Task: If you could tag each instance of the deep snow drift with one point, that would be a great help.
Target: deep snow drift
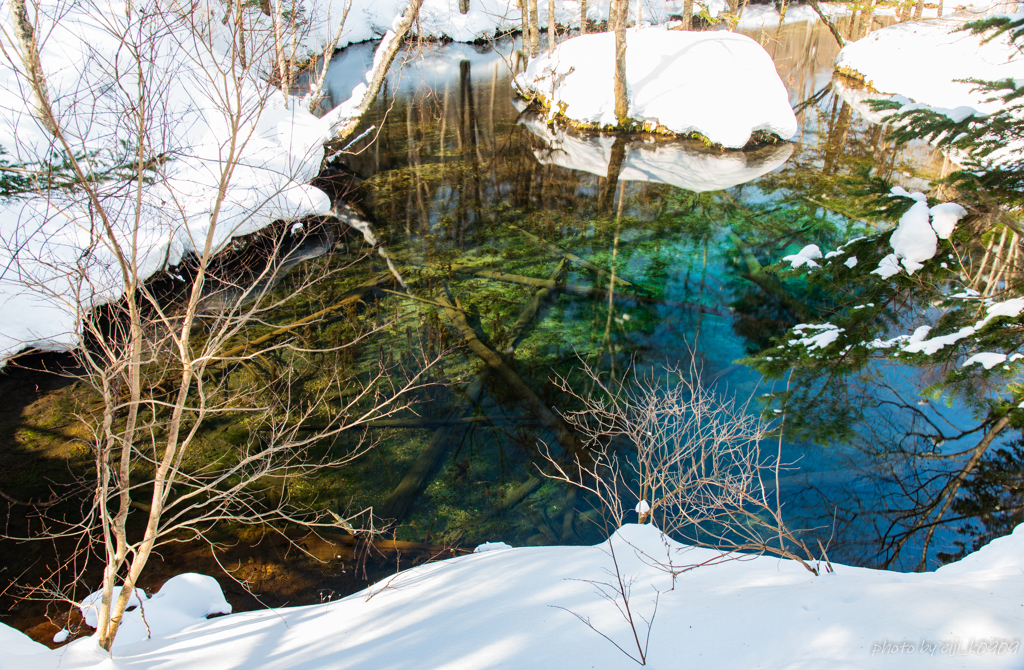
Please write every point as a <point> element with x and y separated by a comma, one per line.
<point>719,84</point>
<point>515,608</point>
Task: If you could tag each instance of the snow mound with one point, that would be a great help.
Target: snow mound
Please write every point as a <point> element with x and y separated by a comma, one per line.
<point>675,162</point>
<point>924,60</point>
<point>181,602</point>
<point>55,263</point>
<point>721,85</point>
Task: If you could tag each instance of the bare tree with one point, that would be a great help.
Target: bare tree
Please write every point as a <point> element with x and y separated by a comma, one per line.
<point>695,467</point>
<point>163,368</point>
<point>344,121</point>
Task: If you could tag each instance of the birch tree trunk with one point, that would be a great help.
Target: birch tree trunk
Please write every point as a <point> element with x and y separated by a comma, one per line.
<point>534,29</point>
<point>551,26</point>
<point>583,17</point>
<point>342,128</point>
<point>29,52</point>
<point>620,9</point>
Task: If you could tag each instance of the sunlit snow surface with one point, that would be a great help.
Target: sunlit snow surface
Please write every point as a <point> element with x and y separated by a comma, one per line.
<point>927,61</point>
<point>719,84</point>
<point>514,608</point>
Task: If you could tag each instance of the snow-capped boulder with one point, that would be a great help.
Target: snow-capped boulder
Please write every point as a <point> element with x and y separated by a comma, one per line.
<point>721,85</point>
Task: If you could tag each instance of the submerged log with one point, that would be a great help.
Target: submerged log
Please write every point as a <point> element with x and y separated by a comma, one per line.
<point>423,468</point>
<point>582,262</point>
<point>527,397</point>
<point>355,295</point>
<point>518,494</point>
<point>594,291</point>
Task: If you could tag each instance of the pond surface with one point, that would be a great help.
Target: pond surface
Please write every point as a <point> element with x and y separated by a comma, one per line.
<point>457,181</point>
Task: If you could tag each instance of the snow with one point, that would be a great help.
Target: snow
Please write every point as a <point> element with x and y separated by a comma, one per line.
<point>829,334</point>
<point>491,546</point>
<point>182,601</point>
<point>924,61</point>
<point>987,359</point>
<point>945,217</point>
<point>674,162</point>
<point>719,84</point>
<point>53,239</point>
<point>805,256</point>
<point>90,606</point>
<point>916,237</point>
<point>1009,308</point>
<point>515,608</point>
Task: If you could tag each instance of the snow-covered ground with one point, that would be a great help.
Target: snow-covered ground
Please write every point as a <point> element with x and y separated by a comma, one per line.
<point>665,162</point>
<point>719,84</point>
<point>526,607</point>
<point>54,256</point>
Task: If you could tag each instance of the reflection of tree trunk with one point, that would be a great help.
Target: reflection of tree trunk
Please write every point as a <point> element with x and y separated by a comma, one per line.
<point>343,128</point>
<point>583,17</point>
<point>618,156</point>
<point>868,19</point>
<point>471,133</point>
<point>534,29</point>
<point>551,26</point>
<point>688,15</point>
<point>828,22</point>
<point>837,139</point>
<point>620,9</point>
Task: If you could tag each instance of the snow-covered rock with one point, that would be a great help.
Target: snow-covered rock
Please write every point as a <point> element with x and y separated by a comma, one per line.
<point>924,60</point>
<point>719,84</point>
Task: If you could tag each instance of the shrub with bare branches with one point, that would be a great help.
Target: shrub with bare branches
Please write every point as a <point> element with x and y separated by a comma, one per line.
<point>684,457</point>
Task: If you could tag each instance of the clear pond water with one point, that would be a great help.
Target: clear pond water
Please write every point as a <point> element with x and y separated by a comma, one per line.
<point>456,181</point>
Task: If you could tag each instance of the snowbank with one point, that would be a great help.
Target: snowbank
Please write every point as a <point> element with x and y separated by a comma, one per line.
<point>55,261</point>
<point>674,162</point>
<point>721,85</point>
<point>516,607</point>
<point>923,61</point>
